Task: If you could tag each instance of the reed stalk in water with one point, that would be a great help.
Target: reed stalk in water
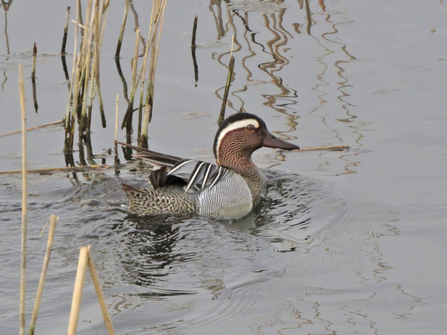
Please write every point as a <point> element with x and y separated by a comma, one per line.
<point>148,108</point>
<point>123,26</point>
<point>193,50</point>
<point>24,203</point>
<point>78,289</point>
<point>100,295</point>
<point>227,85</point>
<point>46,261</point>
<point>33,78</point>
<point>64,38</point>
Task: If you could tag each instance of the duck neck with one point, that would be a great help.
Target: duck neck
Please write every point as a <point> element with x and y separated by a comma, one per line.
<point>242,164</point>
<point>233,159</point>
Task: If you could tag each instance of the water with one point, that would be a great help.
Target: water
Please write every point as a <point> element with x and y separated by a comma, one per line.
<point>348,242</point>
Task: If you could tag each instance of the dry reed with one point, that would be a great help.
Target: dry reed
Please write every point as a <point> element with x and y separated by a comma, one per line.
<point>24,203</point>
<point>53,221</point>
<point>227,84</point>
<point>78,289</point>
<point>102,302</point>
<point>193,50</point>
<point>64,38</point>
<point>61,169</point>
<point>33,78</point>
<point>123,26</point>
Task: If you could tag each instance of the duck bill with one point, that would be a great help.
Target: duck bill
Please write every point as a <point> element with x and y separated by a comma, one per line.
<point>273,142</point>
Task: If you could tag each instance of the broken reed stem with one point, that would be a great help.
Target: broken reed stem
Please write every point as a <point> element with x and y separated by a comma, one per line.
<point>46,261</point>
<point>116,135</point>
<point>193,50</point>
<point>123,26</point>
<point>32,128</point>
<point>194,30</point>
<point>33,73</point>
<point>78,288</point>
<point>227,85</point>
<point>334,148</point>
<point>64,38</point>
<point>24,202</point>
<point>308,17</point>
<point>102,302</point>
<point>61,169</point>
<point>33,78</point>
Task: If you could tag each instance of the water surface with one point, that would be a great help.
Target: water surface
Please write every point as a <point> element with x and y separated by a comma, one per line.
<point>348,242</point>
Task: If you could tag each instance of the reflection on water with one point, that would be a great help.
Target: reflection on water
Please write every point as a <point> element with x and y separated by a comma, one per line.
<point>278,43</point>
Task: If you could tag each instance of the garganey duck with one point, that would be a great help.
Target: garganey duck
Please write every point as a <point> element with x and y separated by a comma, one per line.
<point>228,189</point>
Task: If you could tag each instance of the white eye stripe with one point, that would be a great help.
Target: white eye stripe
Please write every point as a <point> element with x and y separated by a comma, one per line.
<point>233,126</point>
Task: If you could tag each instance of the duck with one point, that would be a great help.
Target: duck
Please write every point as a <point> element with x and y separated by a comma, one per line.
<point>227,189</point>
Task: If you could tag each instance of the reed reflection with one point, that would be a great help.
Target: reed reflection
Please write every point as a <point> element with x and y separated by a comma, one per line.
<point>6,6</point>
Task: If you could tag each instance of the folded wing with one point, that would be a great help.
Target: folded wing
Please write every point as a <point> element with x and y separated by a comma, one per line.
<point>195,175</point>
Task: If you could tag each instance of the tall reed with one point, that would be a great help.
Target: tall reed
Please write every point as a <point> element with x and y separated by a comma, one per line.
<point>24,203</point>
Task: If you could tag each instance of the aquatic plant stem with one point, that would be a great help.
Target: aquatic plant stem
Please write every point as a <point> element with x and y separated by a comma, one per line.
<point>151,79</point>
<point>334,148</point>
<point>69,118</point>
<point>33,128</point>
<point>33,78</point>
<point>46,261</point>
<point>227,85</point>
<point>24,203</point>
<point>308,17</point>
<point>64,38</point>
<point>61,169</point>
<point>99,293</point>
<point>78,288</point>
<point>116,135</point>
<point>193,50</point>
<point>123,26</point>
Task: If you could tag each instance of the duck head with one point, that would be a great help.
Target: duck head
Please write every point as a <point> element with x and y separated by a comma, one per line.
<point>239,136</point>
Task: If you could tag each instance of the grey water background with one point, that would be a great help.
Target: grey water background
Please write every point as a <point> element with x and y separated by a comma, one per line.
<point>346,242</point>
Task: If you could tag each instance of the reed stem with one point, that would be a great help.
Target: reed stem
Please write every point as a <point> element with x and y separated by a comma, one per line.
<point>64,38</point>
<point>102,302</point>
<point>24,203</point>
<point>193,50</point>
<point>33,128</point>
<point>61,169</point>
<point>123,26</point>
<point>33,78</point>
<point>46,261</point>
<point>227,85</point>
<point>308,17</point>
<point>116,135</point>
<point>78,288</point>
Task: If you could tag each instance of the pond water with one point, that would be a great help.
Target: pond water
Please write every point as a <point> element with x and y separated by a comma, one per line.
<point>346,242</point>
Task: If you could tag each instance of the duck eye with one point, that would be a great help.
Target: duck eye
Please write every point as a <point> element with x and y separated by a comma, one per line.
<point>250,127</point>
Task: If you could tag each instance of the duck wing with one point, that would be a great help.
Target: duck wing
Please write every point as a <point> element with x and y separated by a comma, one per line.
<point>154,158</point>
<point>195,175</point>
